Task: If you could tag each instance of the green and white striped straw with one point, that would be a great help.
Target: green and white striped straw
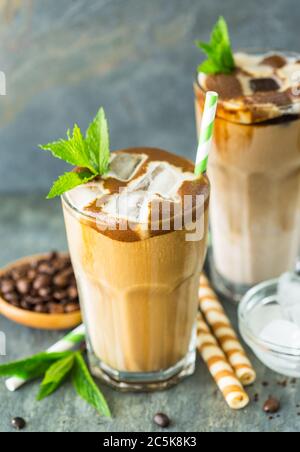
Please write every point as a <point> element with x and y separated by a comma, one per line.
<point>206,132</point>
<point>69,342</point>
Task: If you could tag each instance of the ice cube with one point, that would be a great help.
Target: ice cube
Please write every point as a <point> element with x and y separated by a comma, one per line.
<point>82,196</point>
<point>131,206</point>
<point>123,166</point>
<point>161,179</point>
<point>282,333</point>
<point>289,297</point>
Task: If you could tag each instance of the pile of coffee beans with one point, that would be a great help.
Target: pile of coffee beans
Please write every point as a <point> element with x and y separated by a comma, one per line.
<point>46,286</point>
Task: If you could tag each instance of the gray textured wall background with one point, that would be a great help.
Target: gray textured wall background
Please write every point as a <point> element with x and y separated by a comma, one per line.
<point>65,58</point>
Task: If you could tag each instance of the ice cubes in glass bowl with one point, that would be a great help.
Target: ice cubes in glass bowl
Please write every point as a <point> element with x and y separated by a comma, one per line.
<point>289,297</point>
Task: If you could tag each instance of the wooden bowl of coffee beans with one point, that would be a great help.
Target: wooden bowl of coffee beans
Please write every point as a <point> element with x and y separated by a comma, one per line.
<point>40,292</point>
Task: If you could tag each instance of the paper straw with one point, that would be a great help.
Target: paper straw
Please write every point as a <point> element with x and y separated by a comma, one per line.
<point>219,367</point>
<point>224,332</point>
<point>69,342</point>
<point>206,132</point>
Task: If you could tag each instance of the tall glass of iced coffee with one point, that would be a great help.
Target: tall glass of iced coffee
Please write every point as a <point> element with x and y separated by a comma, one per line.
<point>137,255</point>
<point>254,169</point>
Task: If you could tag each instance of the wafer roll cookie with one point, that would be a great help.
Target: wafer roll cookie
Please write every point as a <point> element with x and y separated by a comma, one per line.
<point>223,331</point>
<point>219,367</point>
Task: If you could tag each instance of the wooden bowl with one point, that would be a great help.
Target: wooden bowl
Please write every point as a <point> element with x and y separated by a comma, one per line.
<point>34,319</point>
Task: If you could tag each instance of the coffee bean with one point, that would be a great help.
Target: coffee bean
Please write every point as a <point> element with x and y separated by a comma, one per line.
<point>19,272</point>
<point>61,280</point>
<point>18,423</point>
<point>162,420</point>
<point>23,286</point>
<point>11,296</point>
<point>41,282</point>
<point>6,285</point>
<point>41,308</point>
<point>55,308</point>
<point>71,307</point>
<point>52,256</point>
<point>25,305</point>
<point>272,405</point>
<point>60,295</point>
<point>31,300</point>
<point>31,275</point>
<point>44,292</point>
<point>48,269</point>
<point>73,292</point>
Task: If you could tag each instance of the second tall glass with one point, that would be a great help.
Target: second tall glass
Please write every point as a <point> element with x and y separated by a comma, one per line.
<point>254,170</point>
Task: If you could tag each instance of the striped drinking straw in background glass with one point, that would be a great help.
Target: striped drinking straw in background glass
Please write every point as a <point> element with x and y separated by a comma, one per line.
<point>206,132</point>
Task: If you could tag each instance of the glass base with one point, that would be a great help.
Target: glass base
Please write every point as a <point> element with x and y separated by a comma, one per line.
<point>140,382</point>
<point>233,292</point>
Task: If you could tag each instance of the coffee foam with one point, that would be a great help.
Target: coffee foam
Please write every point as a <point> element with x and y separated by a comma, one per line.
<point>238,100</point>
<point>159,181</point>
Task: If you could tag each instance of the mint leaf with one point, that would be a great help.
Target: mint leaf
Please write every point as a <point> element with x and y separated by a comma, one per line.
<point>87,388</point>
<point>220,57</point>
<point>68,181</point>
<point>90,153</point>
<point>72,151</point>
<point>55,376</point>
<point>97,141</point>
<point>32,367</point>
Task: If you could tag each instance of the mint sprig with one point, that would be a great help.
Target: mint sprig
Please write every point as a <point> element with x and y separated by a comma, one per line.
<point>220,58</point>
<point>58,368</point>
<point>89,153</point>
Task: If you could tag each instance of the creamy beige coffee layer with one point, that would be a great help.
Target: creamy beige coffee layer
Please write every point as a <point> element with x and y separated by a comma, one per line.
<point>262,87</point>
<point>255,175</point>
<point>139,295</point>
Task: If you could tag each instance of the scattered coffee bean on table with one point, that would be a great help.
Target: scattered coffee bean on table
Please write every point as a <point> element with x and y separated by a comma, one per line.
<point>18,423</point>
<point>162,420</point>
<point>44,286</point>
<point>272,405</point>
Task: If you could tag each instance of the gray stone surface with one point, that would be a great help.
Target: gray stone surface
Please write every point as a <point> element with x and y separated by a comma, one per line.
<point>65,58</point>
<point>29,225</point>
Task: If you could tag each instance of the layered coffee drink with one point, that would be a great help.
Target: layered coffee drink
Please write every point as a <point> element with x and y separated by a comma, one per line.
<point>137,254</point>
<point>254,169</point>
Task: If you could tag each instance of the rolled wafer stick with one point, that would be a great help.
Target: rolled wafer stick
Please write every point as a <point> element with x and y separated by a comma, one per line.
<point>219,367</point>
<point>224,332</point>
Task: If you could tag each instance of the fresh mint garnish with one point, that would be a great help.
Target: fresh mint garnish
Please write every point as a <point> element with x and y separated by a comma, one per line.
<point>91,154</point>
<point>55,376</point>
<point>87,388</point>
<point>32,367</point>
<point>68,181</point>
<point>219,54</point>
<point>57,368</point>
<point>97,141</point>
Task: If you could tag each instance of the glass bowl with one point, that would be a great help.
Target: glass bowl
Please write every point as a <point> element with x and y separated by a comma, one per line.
<point>259,307</point>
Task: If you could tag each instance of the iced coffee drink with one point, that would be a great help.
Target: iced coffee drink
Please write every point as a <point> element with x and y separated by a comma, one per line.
<point>137,270</point>
<point>254,169</point>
